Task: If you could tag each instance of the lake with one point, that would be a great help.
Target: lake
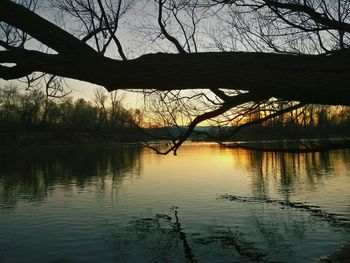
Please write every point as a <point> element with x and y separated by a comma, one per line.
<point>207,204</point>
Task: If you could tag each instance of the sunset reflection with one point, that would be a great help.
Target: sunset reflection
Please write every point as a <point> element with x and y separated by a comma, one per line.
<point>261,206</point>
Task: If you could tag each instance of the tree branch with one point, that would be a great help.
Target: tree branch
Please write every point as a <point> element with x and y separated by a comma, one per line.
<point>115,39</point>
<point>172,39</point>
<point>43,30</point>
<point>233,102</point>
<point>312,13</point>
<point>14,72</point>
<point>261,120</point>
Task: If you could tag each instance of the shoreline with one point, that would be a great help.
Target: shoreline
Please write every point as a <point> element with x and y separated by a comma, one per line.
<point>66,141</point>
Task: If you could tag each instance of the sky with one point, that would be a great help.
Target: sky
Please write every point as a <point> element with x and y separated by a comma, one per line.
<point>86,91</point>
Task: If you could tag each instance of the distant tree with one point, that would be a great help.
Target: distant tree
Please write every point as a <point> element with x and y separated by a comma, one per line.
<point>31,107</point>
<point>66,110</point>
<point>9,103</point>
<point>84,116</point>
<point>53,114</point>
<point>116,110</point>
<point>100,99</point>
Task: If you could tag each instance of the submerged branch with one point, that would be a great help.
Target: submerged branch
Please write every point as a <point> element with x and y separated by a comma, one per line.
<point>332,218</point>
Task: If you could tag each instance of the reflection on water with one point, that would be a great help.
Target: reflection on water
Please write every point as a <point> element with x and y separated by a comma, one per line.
<point>208,204</point>
<point>299,176</point>
<point>31,175</point>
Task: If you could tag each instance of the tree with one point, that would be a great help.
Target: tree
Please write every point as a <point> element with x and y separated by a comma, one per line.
<point>100,100</point>
<point>30,107</point>
<point>297,51</point>
<point>9,103</point>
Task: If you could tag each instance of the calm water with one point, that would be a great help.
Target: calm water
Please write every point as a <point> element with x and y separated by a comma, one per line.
<point>207,204</point>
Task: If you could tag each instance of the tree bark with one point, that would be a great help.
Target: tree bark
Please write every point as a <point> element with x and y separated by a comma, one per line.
<point>305,78</point>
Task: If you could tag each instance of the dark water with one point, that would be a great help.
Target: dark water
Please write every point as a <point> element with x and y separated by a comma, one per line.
<point>207,204</point>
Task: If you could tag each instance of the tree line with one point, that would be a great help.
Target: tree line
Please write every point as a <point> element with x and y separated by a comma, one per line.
<point>32,110</point>
<point>310,121</point>
<point>311,116</point>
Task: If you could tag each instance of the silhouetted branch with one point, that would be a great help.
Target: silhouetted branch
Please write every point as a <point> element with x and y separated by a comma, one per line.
<point>319,18</point>
<point>112,32</point>
<point>233,102</point>
<point>261,120</point>
<point>41,29</point>
<point>172,39</point>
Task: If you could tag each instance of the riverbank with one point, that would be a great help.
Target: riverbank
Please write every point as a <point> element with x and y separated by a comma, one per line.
<point>254,138</point>
<point>65,139</point>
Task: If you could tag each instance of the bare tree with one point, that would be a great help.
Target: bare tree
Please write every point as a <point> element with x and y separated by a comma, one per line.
<point>100,99</point>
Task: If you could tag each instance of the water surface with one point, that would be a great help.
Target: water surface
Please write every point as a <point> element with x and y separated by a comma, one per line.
<point>208,204</point>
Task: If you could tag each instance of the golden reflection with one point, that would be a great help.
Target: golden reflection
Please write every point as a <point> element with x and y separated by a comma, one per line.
<point>267,173</point>
<point>289,173</point>
<point>199,167</point>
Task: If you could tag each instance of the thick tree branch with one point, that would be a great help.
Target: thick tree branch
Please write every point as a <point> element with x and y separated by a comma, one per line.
<point>219,93</point>
<point>298,78</point>
<point>310,79</point>
<point>43,30</point>
<point>14,72</point>
<point>312,13</point>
